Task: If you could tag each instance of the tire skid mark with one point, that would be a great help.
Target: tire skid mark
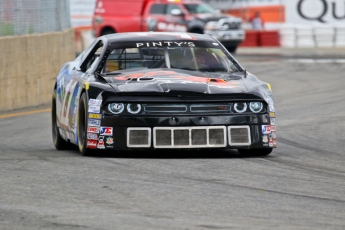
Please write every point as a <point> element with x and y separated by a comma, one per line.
<point>301,146</point>
<point>264,190</point>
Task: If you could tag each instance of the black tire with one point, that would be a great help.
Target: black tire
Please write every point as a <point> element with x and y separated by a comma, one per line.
<point>255,152</point>
<point>107,31</point>
<point>196,31</point>
<point>59,142</point>
<point>82,126</point>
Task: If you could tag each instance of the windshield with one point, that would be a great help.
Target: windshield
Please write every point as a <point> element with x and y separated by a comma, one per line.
<point>204,59</point>
<point>199,8</point>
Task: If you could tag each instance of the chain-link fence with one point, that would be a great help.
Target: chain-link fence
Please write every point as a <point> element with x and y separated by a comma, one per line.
<point>19,17</point>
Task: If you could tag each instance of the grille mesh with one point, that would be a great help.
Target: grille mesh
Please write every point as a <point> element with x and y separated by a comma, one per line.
<point>138,137</point>
<point>189,137</point>
<point>239,135</point>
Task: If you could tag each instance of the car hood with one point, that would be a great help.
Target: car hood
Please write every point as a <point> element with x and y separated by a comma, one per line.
<point>183,82</point>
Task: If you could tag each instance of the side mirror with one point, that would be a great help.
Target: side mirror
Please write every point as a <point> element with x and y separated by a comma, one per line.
<point>176,12</point>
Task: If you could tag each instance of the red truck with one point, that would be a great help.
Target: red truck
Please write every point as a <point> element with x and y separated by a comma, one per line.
<point>194,16</point>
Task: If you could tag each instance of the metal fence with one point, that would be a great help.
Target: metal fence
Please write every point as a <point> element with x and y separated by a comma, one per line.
<point>18,17</point>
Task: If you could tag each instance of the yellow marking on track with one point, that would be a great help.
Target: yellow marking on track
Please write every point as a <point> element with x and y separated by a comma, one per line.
<point>24,113</point>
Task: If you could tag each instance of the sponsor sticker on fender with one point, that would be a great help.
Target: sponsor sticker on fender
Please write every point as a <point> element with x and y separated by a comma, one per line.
<point>100,143</point>
<point>95,102</point>
<point>106,131</point>
<point>109,140</point>
<point>94,109</point>
<point>92,129</point>
<point>94,122</point>
<point>91,144</point>
<point>95,115</point>
<point>273,121</point>
<point>92,136</point>
<point>272,109</point>
<point>266,129</point>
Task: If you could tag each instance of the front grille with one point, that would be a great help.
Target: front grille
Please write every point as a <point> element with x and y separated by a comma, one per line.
<point>189,137</point>
<point>162,108</point>
<point>230,25</point>
<point>188,108</point>
<point>204,108</point>
<point>239,135</point>
<point>138,137</point>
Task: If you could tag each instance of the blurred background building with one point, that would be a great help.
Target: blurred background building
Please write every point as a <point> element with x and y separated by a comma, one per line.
<point>287,23</point>
<point>18,17</point>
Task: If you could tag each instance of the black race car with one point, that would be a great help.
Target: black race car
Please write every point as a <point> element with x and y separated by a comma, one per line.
<point>160,90</point>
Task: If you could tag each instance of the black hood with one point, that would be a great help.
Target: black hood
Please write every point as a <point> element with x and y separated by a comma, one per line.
<point>175,81</point>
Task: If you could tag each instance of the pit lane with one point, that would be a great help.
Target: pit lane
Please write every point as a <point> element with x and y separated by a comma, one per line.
<point>301,185</point>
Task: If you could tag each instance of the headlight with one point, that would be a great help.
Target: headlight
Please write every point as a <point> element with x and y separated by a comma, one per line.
<point>134,108</point>
<point>116,108</point>
<point>240,107</point>
<point>255,107</point>
<point>211,25</point>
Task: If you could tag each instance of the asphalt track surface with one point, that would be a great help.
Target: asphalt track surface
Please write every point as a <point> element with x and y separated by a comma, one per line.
<point>301,185</point>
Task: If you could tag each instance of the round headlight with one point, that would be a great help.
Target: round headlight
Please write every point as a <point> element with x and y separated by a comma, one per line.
<point>134,108</point>
<point>240,107</point>
<point>255,107</point>
<point>116,108</point>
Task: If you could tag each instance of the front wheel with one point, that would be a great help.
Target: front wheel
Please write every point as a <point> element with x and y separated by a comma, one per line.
<point>82,126</point>
<point>255,152</point>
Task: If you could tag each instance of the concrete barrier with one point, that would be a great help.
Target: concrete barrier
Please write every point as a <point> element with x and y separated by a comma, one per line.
<point>29,65</point>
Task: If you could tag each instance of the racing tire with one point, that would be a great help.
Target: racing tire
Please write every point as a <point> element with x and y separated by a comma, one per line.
<point>59,142</point>
<point>82,126</point>
<point>255,152</point>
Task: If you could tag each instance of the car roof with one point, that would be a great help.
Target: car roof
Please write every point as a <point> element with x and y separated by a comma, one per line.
<point>157,36</point>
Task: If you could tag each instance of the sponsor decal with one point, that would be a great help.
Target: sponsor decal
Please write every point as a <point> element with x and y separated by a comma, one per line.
<point>166,44</point>
<point>273,128</point>
<point>106,131</point>
<point>273,121</point>
<point>87,85</point>
<point>265,139</point>
<point>274,143</point>
<point>91,144</point>
<point>273,135</point>
<point>94,109</point>
<point>109,140</point>
<point>92,136</point>
<point>100,143</point>
<point>271,107</point>
<point>270,144</point>
<point>266,129</point>
<point>94,122</point>
<point>272,114</point>
<point>92,129</point>
<point>95,102</point>
<point>95,115</point>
